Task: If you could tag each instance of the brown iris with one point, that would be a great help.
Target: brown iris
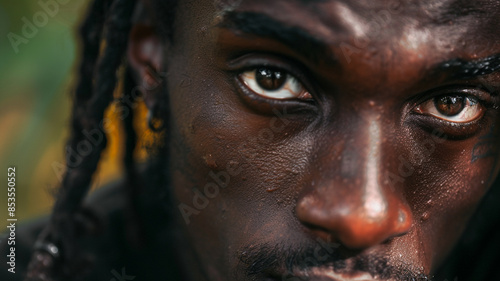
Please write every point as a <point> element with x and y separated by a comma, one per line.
<point>449,105</point>
<point>270,79</point>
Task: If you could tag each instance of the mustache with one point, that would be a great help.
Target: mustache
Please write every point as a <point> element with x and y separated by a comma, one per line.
<point>284,262</point>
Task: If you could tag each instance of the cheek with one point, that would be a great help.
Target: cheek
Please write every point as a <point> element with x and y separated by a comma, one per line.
<point>251,165</point>
<point>445,190</point>
<point>234,172</point>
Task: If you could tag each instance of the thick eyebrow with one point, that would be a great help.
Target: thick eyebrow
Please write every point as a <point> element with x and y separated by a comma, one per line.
<point>312,48</point>
<point>295,38</point>
<point>460,69</point>
<point>456,9</point>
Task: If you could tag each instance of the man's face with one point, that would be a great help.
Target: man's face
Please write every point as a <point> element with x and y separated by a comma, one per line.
<point>328,140</point>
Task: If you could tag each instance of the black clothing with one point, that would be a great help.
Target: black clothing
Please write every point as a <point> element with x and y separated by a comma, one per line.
<point>112,255</point>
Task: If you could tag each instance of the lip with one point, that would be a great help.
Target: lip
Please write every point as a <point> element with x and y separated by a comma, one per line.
<point>327,274</point>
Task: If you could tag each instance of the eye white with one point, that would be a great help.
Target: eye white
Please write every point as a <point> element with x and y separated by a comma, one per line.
<point>472,110</point>
<point>292,88</point>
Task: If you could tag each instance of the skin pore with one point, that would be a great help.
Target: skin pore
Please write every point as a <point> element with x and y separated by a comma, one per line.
<point>327,140</point>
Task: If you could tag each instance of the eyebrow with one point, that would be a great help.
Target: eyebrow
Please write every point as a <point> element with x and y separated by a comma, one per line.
<point>293,37</point>
<point>314,49</point>
<point>460,69</point>
<point>455,9</point>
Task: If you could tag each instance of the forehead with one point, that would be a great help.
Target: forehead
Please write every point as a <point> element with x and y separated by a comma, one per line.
<point>358,16</point>
<point>433,10</point>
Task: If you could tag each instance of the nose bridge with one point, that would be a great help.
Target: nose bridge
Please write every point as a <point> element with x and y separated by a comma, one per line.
<point>361,171</point>
<point>374,201</point>
<point>358,206</point>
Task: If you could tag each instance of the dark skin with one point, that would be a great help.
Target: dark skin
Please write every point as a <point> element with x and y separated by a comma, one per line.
<point>373,159</point>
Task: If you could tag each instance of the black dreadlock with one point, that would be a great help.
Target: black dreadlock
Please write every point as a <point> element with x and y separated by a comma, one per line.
<point>104,35</point>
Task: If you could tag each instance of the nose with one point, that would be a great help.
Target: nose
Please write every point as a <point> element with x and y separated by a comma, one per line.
<point>356,203</point>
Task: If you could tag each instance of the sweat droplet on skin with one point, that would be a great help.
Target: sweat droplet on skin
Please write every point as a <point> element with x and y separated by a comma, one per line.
<point>210,161</point>
<point>401,216</point>
<point>425,216</point>
<point>272,188</point>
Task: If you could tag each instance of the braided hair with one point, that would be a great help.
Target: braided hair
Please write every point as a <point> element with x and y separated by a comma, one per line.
<point>104,34</point>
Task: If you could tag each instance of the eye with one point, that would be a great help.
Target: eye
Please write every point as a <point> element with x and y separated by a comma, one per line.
<point>274,84</point>
<point>452,108</point>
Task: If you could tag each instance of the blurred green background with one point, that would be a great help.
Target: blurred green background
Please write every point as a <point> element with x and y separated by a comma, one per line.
<point>35,99</point>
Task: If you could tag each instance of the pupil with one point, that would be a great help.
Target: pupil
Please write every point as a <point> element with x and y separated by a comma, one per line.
<point>449,105</point>
<point>269,79</point>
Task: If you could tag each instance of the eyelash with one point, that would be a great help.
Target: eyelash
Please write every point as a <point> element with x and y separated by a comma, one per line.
<point>455,129</point>
<point>251,62</point>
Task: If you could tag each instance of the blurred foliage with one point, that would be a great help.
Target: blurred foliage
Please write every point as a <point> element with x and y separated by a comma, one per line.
<point>36,83</point>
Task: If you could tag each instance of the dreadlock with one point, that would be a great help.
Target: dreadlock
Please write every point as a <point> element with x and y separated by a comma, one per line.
<point>104,35</point>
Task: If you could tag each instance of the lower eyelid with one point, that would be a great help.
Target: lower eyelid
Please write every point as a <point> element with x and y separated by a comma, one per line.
<point>450,130</point>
